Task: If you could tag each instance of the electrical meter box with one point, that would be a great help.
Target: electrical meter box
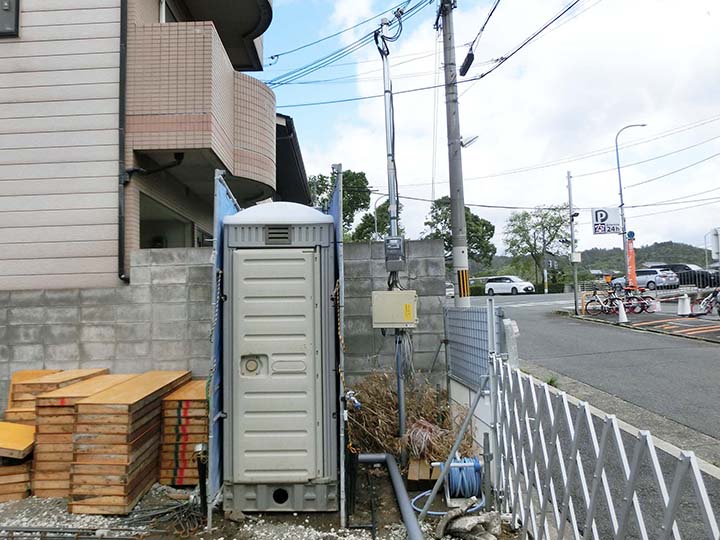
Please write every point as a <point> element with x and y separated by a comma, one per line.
<point>394,254</point>
<point>394,309</point>
<point>9,18</point>
<point>280,438</point>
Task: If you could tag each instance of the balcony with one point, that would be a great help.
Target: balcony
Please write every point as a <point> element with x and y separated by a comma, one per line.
<point>183,95</point>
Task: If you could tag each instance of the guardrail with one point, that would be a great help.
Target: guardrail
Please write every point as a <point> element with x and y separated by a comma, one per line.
<point>564,471</point>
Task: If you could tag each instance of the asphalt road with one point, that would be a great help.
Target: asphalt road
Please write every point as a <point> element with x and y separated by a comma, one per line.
<point>675,377</point>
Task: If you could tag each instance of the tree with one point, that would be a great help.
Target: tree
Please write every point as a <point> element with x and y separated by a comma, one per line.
<point>365,231</point>
<point>537,233</point>
<point>356,194</point>
<point>479,231</point>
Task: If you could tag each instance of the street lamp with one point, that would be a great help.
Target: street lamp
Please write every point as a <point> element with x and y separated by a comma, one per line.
<point>377,236</point>
<point>622,202</point>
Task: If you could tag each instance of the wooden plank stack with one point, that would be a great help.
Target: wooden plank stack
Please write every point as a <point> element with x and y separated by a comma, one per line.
<point>14,479</point>
<point>16,378</point>
<point>24,392</point>
<point>116,443</point>
<point>16,443</point>
<point>55,426</point>
<point>184,424</point>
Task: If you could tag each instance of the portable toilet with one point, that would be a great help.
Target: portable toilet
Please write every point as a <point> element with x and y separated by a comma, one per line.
<point>280,438</point>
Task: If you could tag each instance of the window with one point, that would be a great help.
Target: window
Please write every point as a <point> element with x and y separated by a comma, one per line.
<point>161,227</point>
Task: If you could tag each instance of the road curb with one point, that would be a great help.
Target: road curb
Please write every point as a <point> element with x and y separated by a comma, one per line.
<point>566,313</point>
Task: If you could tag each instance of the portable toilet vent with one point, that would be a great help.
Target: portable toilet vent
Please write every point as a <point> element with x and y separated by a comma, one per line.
<point>280,436</point>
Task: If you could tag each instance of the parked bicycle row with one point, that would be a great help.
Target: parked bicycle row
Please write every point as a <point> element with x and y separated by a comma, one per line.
<point>639,301</point>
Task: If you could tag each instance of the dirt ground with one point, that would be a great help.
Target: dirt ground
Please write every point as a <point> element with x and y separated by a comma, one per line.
<point>36,513</point>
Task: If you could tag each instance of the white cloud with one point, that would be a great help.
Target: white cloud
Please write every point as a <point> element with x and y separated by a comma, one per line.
<point>621,62</point>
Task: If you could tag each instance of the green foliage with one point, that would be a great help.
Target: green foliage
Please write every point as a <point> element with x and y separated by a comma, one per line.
<point>356,194</point>
<point>479,231</point>
<point>365,230</point>
<point>477,290</point>
<point>660,252</point>
<point>538,233</point>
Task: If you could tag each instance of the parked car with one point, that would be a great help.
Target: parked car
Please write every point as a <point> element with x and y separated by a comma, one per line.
<point>692,274</point>
<point>651,278</point>
<point>508,285</point>
<point>449,290</point>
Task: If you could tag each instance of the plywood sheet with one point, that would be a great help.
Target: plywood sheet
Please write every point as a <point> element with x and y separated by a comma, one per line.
<point>61,378</point>
<point>191,391</point>
<point>16,440</point>
<point>24,375</point>
<point>82,389</point>
<point>137,391</point>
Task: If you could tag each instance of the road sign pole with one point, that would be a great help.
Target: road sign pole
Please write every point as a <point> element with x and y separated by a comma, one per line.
<point>573,262</point>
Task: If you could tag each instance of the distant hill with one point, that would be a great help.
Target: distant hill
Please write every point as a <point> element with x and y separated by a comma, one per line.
<point>660,252</point>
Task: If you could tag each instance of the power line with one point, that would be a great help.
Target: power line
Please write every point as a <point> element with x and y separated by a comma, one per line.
<point>670,203</point>
<point>691,195</point>
<point>343,52</point>
<point>336,34</point>
<point>482,28</point>
<point>673,152</point>
<point>499,62</point>
<point>587,155</point>
<point>675,210</point>
<point>672,172</point>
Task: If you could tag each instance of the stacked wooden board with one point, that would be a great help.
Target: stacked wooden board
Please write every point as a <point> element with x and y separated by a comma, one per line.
<point>116,443</point>
<point>16,378</point>
<point>55,427</point>
<point>24,392</point>
<point>184,424</point>
<point>16,443</point>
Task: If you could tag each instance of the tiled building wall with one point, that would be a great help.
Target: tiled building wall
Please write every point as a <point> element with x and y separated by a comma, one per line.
<point>160,321</point>
<point>59,145</point>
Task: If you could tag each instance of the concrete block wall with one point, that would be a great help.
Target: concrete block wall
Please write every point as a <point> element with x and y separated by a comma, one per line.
<point>160,321</point>
<point>367,350</point>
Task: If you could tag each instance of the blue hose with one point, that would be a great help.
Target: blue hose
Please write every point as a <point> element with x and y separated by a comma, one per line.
<point>464,482</point>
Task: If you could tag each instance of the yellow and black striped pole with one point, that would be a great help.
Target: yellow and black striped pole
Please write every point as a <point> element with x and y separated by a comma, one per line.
<point>463,283</point>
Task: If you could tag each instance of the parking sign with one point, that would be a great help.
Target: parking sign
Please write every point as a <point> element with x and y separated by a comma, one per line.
<point>606,221</point>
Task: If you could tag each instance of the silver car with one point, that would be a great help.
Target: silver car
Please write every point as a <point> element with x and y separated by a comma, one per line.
<point>651,278</point>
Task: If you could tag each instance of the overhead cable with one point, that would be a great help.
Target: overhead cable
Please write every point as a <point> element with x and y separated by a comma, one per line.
<point>655,178</point>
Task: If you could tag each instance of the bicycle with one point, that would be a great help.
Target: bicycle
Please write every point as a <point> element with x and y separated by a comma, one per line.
<point>706,305</point>
<point>645,302</point>
<point>597,305</point>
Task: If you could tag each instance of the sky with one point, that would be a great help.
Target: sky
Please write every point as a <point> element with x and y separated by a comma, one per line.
<point>554,107</point>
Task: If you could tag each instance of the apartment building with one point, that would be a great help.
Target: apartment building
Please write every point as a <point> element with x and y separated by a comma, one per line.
<point>114,115</point>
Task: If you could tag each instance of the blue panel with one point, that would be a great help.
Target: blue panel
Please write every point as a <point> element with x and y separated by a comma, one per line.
<point>225,205</point>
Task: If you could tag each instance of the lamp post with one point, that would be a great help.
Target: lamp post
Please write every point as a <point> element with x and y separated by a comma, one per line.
<point>622,202</point>
<point>377,236</point>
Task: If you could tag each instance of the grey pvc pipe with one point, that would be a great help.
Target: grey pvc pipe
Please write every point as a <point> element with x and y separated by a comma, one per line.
<point>401,495</point>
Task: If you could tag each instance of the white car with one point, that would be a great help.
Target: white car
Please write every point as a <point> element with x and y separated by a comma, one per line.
<point>449,290</point>
<point>508,285</point>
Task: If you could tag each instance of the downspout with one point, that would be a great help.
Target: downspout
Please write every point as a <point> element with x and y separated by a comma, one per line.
<point>123,178</point>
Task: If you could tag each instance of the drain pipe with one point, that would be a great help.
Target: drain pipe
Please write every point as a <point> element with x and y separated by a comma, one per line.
<point>125,177</point>
<point>122,174</point>
<point>403,501</point>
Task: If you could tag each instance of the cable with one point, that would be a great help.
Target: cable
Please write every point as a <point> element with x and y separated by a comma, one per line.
<point>334,56</point>
<point>587,155</point>
<point>482,28</point>
<point>669,203</point>
<point>674,210</point>
<point>691,195</point>
<point>500,62</point>
<point>672,172</point>
<point>673,152</point>
<point>301,47</point>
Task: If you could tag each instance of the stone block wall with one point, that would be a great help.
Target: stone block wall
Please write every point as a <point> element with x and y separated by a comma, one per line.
<point>160,321</point>
<point>367,350</point>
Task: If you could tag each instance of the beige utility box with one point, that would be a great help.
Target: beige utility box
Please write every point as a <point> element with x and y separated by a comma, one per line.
<point>394,309</point>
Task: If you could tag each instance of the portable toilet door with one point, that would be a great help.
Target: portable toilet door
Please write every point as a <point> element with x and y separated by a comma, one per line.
<point>280,360</point>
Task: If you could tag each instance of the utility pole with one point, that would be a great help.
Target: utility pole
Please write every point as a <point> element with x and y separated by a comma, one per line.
<point>573,260</point>
<point>389,134</point>
<point>457,196</point>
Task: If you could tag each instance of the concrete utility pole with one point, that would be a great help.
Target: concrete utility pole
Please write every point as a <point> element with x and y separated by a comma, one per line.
<point>389,137</point>
<point>457,197</point>
<point>573,260</point>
